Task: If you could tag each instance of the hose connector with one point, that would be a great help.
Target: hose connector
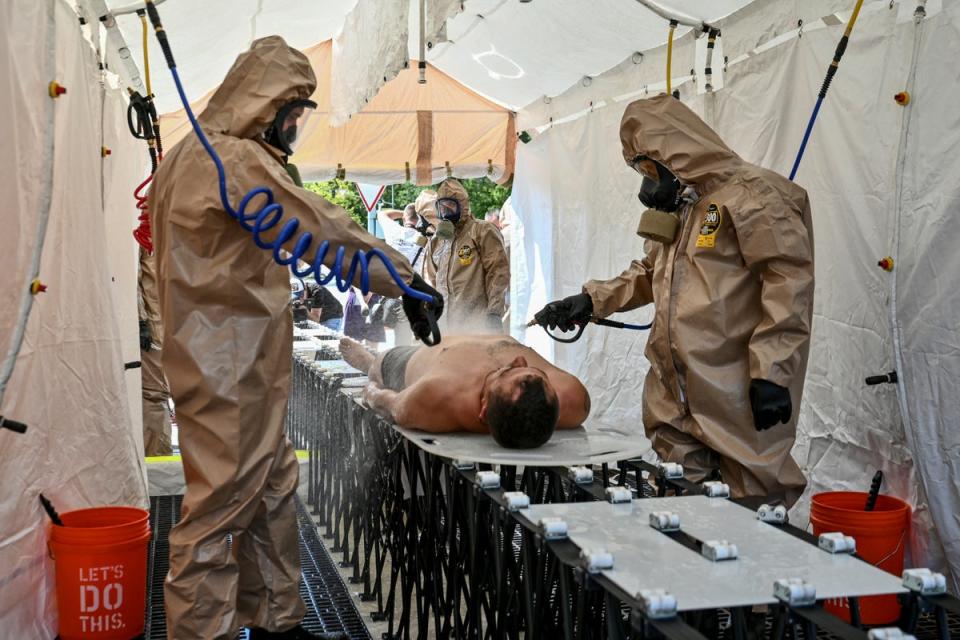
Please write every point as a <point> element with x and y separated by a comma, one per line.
<point>887,378</point>
<point>37,287</point>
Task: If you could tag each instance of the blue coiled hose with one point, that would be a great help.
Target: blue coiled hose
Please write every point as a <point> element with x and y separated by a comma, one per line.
<point>270,214</point>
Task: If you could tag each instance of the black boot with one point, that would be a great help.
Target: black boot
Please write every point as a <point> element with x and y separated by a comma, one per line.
<point>297,633</point>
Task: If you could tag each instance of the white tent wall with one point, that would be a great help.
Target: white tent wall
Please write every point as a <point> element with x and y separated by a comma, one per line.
<point>124,169</point>
<point>577,210</point>
<point>926,298</point>
<point>572,180</point>
<point>68,384</point>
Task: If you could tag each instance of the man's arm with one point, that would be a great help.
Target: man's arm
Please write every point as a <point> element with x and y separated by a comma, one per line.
<point>631,289</point>
<point>419,406</point>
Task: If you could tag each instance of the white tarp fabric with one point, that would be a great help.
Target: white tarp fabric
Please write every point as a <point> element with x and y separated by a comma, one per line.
<point>485,44</point>
<point>207,36</point>
<point>572,185</point>
<point>376,42</point>
<point>371,49</point>
<point>926,301</point>
<point>122,173</point>
<point>492,48</point>
<point>68,385</point>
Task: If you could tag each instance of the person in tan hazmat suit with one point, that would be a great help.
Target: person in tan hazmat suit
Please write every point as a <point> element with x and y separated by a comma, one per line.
<point>729,268</point>
<point>234,556</point>
<point>467,263</point>
<point>156,415</point>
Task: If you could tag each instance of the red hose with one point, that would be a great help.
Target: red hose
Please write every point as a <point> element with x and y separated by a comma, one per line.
<point>143,233</point>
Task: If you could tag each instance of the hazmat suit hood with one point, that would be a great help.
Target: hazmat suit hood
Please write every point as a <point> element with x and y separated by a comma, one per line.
<point>667,131</point>
<point>426,205</point>
<point>452,188</point>
<point>261,81</point>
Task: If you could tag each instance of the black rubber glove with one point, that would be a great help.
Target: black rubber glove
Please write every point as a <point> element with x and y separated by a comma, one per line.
<point>146,339</point>
<point>567,313</point>
<point>421,315</point>
<point>770,403</point>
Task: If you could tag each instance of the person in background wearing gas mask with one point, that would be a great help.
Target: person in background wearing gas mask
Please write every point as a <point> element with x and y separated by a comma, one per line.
<point>467,263</point>
<point>729,268</point>
<point>228,336</point>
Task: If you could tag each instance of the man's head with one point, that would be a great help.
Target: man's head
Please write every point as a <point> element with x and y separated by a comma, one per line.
<point>493,217</point>
<point>410,216</point>
<point>519,405</point>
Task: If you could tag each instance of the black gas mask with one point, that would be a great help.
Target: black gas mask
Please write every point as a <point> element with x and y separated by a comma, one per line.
<point>288,125</point>
<point>424,229</point>
<point>448,210</point>
<point>663,195</point>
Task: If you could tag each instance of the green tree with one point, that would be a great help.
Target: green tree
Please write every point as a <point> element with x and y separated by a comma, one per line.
<point>484,195</point>
<point>343,194</point>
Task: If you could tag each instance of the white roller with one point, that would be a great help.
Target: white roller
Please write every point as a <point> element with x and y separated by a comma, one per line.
<point>836,542</point>
<point>795,592</point>
<point>596,561</point>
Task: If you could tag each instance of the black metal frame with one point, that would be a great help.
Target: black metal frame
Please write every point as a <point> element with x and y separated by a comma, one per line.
<point>442,557</point>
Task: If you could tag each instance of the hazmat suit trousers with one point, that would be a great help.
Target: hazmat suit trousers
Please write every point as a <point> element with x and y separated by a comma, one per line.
<point>752,464</point>
<point>156,414</point>
<point>234,556</point>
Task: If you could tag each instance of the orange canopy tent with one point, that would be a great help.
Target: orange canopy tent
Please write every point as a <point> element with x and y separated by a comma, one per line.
<point>409,132</point>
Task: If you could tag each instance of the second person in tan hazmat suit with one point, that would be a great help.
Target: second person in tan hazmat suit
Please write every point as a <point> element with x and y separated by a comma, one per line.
<point>157,430</point>
<point>228,336</point>
<point>729,268</point>
<point>466,262</point>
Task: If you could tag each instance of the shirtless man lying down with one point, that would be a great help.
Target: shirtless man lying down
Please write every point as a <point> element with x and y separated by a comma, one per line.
<point>483,384</point>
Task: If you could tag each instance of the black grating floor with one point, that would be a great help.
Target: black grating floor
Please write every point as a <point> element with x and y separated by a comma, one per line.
<point>329,604</point>
<point>927,628</point>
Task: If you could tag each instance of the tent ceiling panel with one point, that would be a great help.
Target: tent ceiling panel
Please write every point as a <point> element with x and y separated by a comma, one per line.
<point>517,52</point>
<point>207,36</point>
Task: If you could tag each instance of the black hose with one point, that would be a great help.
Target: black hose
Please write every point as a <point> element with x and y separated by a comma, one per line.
<point>161,34</point>
<point>874,490</point>
<point>48,507</point>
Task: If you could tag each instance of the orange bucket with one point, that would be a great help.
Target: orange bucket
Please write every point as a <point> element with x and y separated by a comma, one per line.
<point>881,537</point>
<point>100,557</point>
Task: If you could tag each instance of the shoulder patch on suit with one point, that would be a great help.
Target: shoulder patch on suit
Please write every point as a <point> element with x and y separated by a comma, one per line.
<point>709,226</point>
<point>466,255</point>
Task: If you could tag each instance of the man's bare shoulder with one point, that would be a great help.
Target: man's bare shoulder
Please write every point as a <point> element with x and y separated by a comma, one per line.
<point>434,403</point>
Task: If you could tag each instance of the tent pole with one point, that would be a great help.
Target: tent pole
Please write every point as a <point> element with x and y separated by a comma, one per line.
<point>675,16</point>
<point>422,64</point>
